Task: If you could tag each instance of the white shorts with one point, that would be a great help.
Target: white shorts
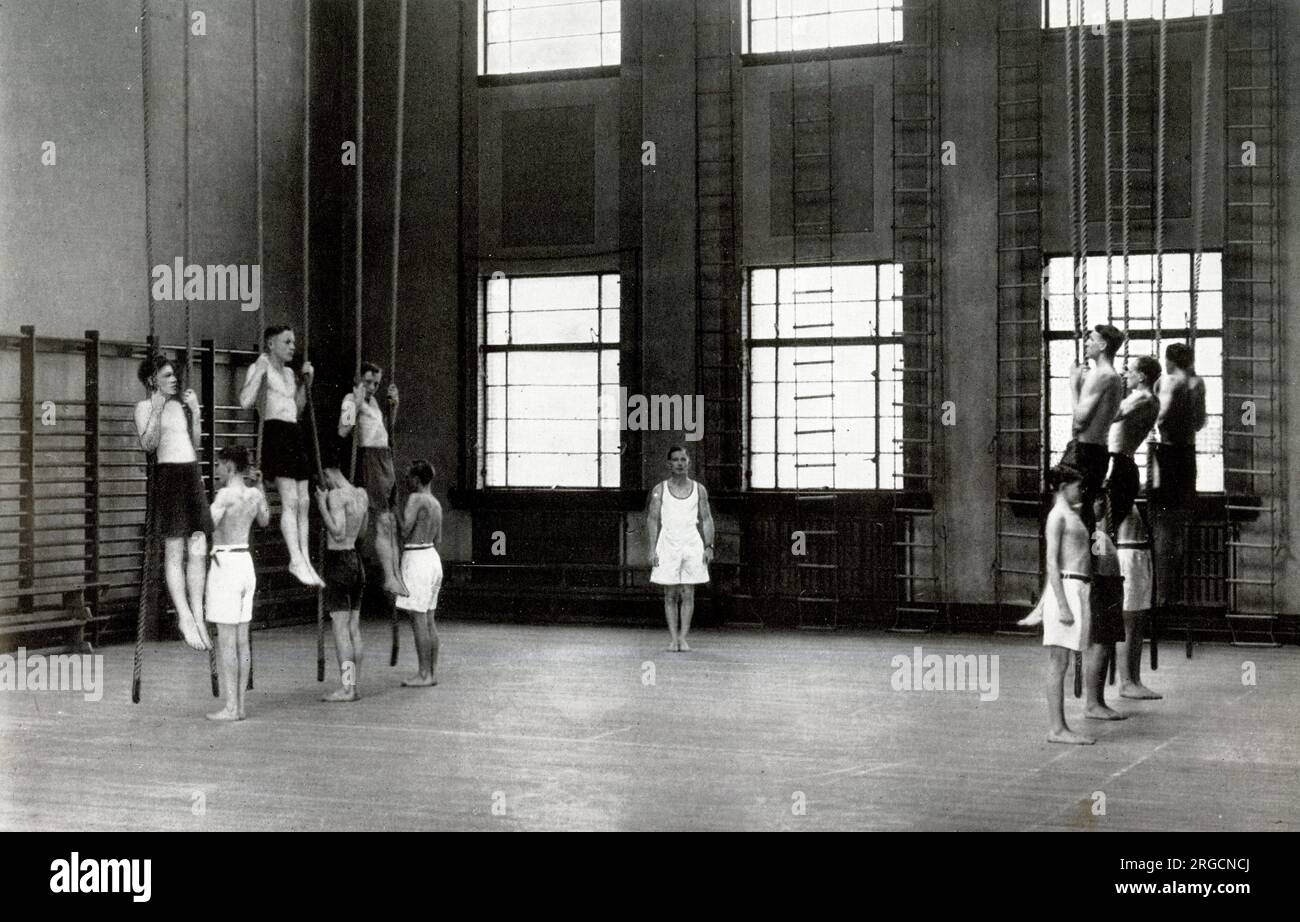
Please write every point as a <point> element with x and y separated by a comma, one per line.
<point>1136,568</point>
<point>680,566</point>
<point>1071,636</point>
<point>422,574</point>
<point>231,584</point>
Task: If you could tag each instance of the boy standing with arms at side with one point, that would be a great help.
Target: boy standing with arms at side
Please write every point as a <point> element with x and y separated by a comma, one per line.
<point>231,577</point>
<point>422,569</point>
<point>1066,609</point>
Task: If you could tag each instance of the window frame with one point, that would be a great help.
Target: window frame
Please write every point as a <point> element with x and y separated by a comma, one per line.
<point>834,51</point>
<point>511,77</point>
<point>777,343</point>
<point>1117,14</point>
<point>598,347</point>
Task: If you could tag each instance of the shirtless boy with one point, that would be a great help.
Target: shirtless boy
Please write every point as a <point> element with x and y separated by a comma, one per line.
<point>422,569</point>
<point>169,431</point>
<point>231,577</point>
<point>1066,608</point>
<point>280,396</point>
<point>344,509</point>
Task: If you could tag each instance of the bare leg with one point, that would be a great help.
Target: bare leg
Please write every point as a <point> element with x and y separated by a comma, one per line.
<point>196,575</point>
<point>304,529</point>
<point>670,613</point>
<point>387,552</point>
<point>688,609</point>
<point>1129,655</point>
<point>426,650</point>
<point>346,657</point>
<point>173,572</point>
<point>1058,660</point>
<point>289,505</point>
<point>227,642</point>
<point>354,635</point>
<point>1094,682</point>
<point>245,667</point>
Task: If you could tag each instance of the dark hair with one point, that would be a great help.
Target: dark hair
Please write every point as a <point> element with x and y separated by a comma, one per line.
<point>1149,369</point>
<point>1063,474</point>
<point>422,471</point>
<point>150,365</point>
<point>1114,338</point>
<point>236,455</point>
<point>1181,355</point>
<point>273,331</point>
<point>677,448</point>
<point>367,368</point>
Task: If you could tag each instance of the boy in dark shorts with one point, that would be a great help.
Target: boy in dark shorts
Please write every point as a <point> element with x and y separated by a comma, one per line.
<point>169,429</point>
<point>281,397</point>
<point>344,509</point>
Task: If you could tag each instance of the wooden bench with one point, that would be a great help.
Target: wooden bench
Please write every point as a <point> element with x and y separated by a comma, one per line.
<point>70,616</point>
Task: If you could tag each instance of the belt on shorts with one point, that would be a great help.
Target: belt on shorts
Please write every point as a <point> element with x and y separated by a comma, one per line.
<point>417,547</point>
<point>1135,545</point>
<point>1079,576</point>
<point>226,549</point>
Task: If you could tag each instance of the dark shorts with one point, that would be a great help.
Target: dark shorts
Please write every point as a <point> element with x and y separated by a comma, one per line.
<point>284,451</point>
<point>1121,490</point>
<point>1171,476</point>
<point>345,580</point>
<point>181,502</point>
<point>1107,600</point>
<point>1091,461</point>
<point>375,476</point>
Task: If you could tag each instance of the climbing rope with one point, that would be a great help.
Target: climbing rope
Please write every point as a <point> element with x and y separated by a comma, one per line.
<point>1159,235</point>
<point>396,265</point>
<point>1070,102</point>
<point>1198,219</point>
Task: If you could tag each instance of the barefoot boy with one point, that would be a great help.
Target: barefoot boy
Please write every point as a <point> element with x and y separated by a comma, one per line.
<point>422,569</point>
<point>344,510</point>
<point>1066,611</point>
<point>231,578</point>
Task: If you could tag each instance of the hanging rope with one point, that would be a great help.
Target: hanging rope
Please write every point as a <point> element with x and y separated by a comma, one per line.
<point>1159,236</point>
<point>396,266</point>
<point>1082,111</point>
<point>149,575</point>
<point>1125,153</point>
<point>1107,162</point>
<point>1198,220</point>
<point>1070,102</point>
<point>358,264</point>
<point>261,243</point>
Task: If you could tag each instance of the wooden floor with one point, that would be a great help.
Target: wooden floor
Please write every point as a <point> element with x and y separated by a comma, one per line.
<point>558,721</point>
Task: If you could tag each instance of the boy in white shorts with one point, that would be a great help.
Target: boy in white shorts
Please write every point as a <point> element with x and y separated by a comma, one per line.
<point>1067,609</point>
<point>680,527</point>
<point>421,527</point>
<point>231,577</point>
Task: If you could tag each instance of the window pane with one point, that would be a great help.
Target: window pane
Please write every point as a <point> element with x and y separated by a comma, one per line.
<point>531,35</point>
<point>784,25</point>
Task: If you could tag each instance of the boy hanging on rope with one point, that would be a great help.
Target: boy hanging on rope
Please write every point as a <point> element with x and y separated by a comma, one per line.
<point>281,397</point>
<point>231,578</point>
<point>1137,414</point>
<point>169,429</point>
<point>362,413</point>
<point>343,509</point>
<point>422,569</point>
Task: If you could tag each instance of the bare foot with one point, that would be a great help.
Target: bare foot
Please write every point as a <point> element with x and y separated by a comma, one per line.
<point>343,694</point>
<point>1139,691</point>
<point>197,639</point>
<point>394,586</point>
<point>315,576</point>
<point>1096,712</point>
<point>304,574</point>
<point>674,645</point>
<point>225,714</point>
<point>1034,618</point>
<point>242,714</point>
<point>1069,738</point>
<point>420,681</point>
<point>683,646</point>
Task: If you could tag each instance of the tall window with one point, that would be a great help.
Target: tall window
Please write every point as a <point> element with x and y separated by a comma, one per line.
<point>794,25</point>
<point>824,349</point>
<point>549,356</point>
<point>1094,11</point>
<point>518,36</point>
<point>1176,285</point>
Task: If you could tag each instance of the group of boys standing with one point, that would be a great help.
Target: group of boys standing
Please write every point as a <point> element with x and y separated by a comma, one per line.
<point>1096,528</point>
<point>217,585</point>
